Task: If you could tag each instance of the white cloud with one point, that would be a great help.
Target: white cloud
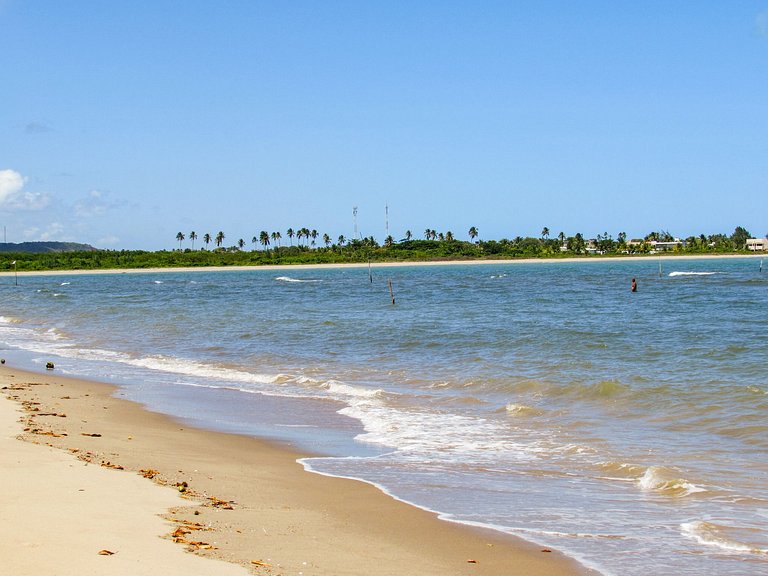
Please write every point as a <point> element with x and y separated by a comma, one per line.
<point>30,234</point>
<point>108,241</point>
<point>96,203</point>
<point>38,128</point>
<point>53,232</point>
<point>13,197</point>
<point>761,22</point>
<point>10,183</point>
<point>28,201</point>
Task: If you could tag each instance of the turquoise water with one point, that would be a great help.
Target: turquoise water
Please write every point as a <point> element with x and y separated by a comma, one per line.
<point>547,400</point>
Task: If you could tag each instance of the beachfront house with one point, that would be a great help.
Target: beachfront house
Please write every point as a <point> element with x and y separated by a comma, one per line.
<point>666,246</point>
<point>654,246</point>
<point>757,244</point>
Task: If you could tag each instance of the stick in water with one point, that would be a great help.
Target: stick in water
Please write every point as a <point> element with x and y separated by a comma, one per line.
<point>391,292</point>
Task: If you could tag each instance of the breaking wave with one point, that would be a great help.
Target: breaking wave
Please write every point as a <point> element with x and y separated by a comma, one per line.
<point>297,280</point>
<point>663,481</point>
<point>674,274</point>
<point>522,410</point>
<point>726,538</point>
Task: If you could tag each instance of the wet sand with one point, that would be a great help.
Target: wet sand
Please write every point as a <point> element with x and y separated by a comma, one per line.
<point>105,470</point>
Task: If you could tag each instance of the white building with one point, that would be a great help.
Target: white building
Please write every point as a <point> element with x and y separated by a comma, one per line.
<point>655,246</point>
<point>757,244</point>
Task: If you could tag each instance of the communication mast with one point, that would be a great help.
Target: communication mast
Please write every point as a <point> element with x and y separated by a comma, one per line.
<point>354,218</point>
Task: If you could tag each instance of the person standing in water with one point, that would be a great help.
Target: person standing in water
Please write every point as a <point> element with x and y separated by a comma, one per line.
<point>634,285</point>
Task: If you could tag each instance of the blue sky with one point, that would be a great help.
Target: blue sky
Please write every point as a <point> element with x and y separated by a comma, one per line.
<point>125,122</point>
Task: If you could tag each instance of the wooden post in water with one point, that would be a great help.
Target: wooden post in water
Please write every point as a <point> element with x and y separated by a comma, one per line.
<point>391,292</point>
<point>370,274</point>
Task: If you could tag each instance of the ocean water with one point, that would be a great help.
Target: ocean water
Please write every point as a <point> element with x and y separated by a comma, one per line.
<point>629,430</point>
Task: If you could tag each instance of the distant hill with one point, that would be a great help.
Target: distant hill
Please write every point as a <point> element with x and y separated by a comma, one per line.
<point>43,247</point>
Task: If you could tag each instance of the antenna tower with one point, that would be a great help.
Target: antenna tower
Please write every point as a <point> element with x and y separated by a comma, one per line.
<point>354,218</point>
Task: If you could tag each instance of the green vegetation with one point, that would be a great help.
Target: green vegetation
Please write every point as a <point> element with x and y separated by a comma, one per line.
<point>44,247</point>
<point>267,248</point>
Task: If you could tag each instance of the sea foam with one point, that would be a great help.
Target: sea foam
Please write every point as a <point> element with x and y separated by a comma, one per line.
<point>298,280</point>
<point>201,369</point>
<point>726,538</point>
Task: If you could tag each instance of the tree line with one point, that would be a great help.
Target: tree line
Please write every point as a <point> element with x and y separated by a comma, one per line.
<point>544,245</point>
<point>307,246</point>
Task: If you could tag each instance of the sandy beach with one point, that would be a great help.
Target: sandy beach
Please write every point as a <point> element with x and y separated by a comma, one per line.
<point>94,484</point>
<point>650,258</point>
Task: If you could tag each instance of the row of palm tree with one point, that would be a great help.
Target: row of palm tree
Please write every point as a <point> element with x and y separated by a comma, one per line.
<point>207,239</point>
<point>310,238</point>
<point>576,243</point>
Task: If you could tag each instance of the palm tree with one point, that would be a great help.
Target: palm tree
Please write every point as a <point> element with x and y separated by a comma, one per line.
<point>299,235</point>
<point>314,236</point>
<point>254,241</point>
<point>206,239</point>
<point>389,241</point>
<point>408,235</point>
<point>342,240</point>
<point>449,235</point>
<point>472,233</point>
<point>240,243</point>
<point>578,243</point>
<point>326,240</point>
<point>433,234</point>
<point>264,238</point>
<point>180,237</point>
<point>440,237</point>
<point>219,239</point>
<point>193,237</point>
<point>561,237</point>
<point>290,235</point>
<point>276,236</point>
<point>544,233</point>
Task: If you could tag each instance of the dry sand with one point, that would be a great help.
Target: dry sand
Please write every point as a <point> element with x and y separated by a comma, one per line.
<point>245,501</point>
<point>63,516</point>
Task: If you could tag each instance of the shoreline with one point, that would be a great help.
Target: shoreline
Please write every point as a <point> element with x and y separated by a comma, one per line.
<point>353,265</point>
<point>258,505</point>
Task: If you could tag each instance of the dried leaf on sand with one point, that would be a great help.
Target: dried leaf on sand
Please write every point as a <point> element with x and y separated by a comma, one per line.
<point>218,503</point>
